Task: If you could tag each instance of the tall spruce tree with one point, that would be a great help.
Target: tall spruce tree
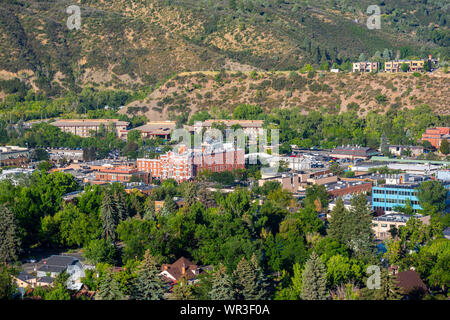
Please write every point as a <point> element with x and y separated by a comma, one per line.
<point>384,147</point>
<point>109,288</point>
<point>148,284</point>
<point>358,227</point>
<point>222,286</point>
<point>336,225</point>
<point>250,281</point>
<point>314,279</point>
<point>109,216</point>
<point>9,239</point>
<point>120,201</point>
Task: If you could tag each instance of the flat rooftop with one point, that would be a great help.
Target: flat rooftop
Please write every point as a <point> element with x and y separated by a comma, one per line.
<point>87,122</point>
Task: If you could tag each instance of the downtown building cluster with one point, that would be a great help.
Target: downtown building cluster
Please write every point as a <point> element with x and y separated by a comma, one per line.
<point>186,164</point>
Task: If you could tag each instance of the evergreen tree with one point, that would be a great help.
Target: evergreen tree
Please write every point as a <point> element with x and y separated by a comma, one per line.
<point>109,216</point>
<point>148,284</point>
<point>250,281</point>
<point>7,285</point>
<point>384,148</point>
<point>109,288</point>
<point>190,193</point>
<point>314,279</point>
<point>121,205</point>
<point>182,290</point>
<point>336,225</point>
<point>170,206</point>
<point>222,287</point>
<point>358,227</point>
<point>9,240</point>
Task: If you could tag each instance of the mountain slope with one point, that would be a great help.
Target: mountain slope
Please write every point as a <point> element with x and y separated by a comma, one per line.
<point>220,93</point>
<point>125,44</point>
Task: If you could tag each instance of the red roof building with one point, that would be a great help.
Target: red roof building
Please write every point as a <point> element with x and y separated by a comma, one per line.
<point>436,135</point>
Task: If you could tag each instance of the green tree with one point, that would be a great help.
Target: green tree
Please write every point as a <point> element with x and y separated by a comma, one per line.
<point>314,279</point>
<point>109,216</point>
<point>148,284</point>
<point>9,237</point>
<point>182,290</point>
<point>432,193</point>
<point>109,288</point>
<point>250,281</point>
<point>7,286</point>
<point>337,223</point>
<point>337,170</point>
<point>316,196</point>
<point>100,250</point>
<point>445,147</point>
<point>189,193</point>
<point>170,206</point>
<point>60,292</point>
<point>40,155</point>
<point>404,67</point>
<point>222,286</point>
<point>358,232</point>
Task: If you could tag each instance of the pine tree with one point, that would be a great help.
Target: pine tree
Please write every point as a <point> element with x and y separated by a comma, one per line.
<point>9,240</point>
<point>109,288</point>
<point>121,205</point>
<point>148,284</point>
<point>109,216</point>
<point>182,290</point>
<point>389,289</point>
<point>337,221</point>
<point>314,279</point>
<point>384,148</point>
<point>190,194</point>
<point>359,227</point>
<point>170,206</point>
<point>222,286</point>
<point>250,281</point>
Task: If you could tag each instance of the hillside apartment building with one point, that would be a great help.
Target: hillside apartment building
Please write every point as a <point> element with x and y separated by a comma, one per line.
<point>396,66</point>
<point>83,127</point>
<point>186,164</point>
<point>366,66</point>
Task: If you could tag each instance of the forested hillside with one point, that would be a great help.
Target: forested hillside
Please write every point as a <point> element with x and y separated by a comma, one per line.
<point>129,44</point>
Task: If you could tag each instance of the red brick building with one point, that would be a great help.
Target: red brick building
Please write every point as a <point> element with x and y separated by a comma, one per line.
<point>120,174</point>
<point>188,163</point>
<point>436,135</point>
<point>349,188</point>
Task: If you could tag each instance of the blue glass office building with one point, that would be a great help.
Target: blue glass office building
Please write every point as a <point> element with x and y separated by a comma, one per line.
<point>387,196</point>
